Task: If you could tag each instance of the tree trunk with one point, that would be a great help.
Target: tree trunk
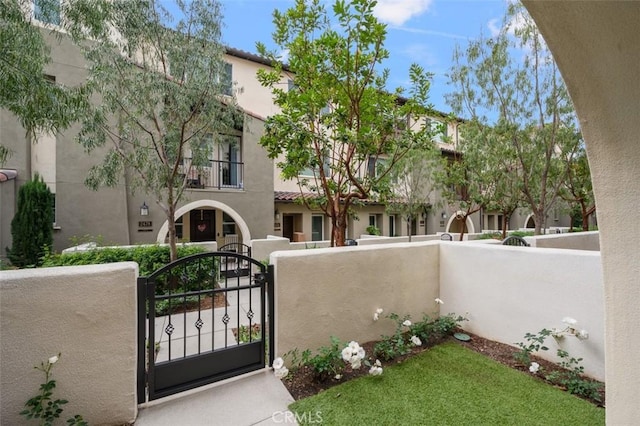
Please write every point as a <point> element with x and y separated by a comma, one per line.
<point>173,249</point>
<point>538,220</point>
<point>585,216</point>
<point>339,230</point>
<point>409,227</point>
<point>505,225</point>
<point>463,227</point>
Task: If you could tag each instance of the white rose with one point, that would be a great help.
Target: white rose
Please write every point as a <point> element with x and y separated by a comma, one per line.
<point>582,335</point>
<point>278,363</point>
<point>407,323</point>
<point>534,367</point>
<point>53,359</point>
<point>281,373</point>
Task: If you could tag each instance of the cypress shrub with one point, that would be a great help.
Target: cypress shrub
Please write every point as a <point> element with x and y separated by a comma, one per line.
<point>32,226</point>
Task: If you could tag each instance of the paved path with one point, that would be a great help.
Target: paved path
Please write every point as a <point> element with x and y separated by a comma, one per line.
<point>255,399</point>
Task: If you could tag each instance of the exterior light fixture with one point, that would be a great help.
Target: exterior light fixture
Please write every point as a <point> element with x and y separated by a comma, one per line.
<point>443,215</point>
<point>277,215</point>
<point>144,209</point>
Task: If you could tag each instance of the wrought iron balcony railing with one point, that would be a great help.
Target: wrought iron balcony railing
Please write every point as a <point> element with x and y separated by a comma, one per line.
<point>219,175</point>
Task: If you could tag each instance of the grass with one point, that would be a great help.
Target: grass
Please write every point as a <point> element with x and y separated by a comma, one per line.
<point>447,385</point>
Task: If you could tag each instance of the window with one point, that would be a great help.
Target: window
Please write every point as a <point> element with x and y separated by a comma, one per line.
<point>227,79</point>
<point>373,220</point>
<point>312,171</point>
<point>439,130</point>
<point>179,228</point>
<point>230,161</point>
<point>53,207</point>
<point>228,225</point>
<point>47,11</point>
<point>375,165</point>
<point>392,225</point>
<point>317,228</point>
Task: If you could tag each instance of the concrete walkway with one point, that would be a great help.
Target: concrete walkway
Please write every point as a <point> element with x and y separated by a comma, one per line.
<point>254,399</point>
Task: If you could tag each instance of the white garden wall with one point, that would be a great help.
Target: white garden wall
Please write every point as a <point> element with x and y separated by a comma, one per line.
<point>509,291</point>
<point>335,292</point>
<point>88,313</point>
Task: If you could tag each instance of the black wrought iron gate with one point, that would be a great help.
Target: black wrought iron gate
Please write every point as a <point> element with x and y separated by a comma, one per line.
<point>200,320</point>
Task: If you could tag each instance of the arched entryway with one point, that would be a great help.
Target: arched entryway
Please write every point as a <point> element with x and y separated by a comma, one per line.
<point>207,220</point>
<point>456,224</point>
<point>530,222</point>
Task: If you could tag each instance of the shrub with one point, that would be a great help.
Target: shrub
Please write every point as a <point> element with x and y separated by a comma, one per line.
<point>535,343</point>
<point>571,378</point>
<point>32,226</point>
<point>149,258</point>
<point>327,362</point>
<point>373,230</point>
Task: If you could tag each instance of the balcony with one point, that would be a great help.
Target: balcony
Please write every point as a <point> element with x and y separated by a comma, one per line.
<point>218,175</point>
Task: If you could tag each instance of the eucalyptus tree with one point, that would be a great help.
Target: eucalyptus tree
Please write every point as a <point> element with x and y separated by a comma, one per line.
<point>160,80</point>
<point>511,84</point>
<point>339,131</point>
<point>25,90</point>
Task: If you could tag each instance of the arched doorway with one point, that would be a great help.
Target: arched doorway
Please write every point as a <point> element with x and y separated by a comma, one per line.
<point>530,222</point>
<point>456,224</point>
<point>208,220</point>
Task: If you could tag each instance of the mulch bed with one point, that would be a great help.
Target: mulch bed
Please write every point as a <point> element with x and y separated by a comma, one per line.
<point>301,383</point>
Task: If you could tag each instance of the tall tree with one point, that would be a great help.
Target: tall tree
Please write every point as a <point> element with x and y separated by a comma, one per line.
<point>32,226</point>
<point>161,89</point>
<point>340,131</point>
<point>512,81</point>
<point>578,189</point>
<point>38,103</point>
<point>412,183</point>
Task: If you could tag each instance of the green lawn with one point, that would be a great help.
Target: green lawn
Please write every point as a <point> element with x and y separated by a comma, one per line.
<point>447,385</point>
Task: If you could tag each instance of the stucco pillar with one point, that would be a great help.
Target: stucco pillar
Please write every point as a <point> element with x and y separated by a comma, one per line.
<point>597,47</point>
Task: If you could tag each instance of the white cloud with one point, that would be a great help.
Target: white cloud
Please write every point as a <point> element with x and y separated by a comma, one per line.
<point>494,27</point>
<point>283,56</point>
<point>421,53</point>
<point>397,12</point>
<point>430,32</point>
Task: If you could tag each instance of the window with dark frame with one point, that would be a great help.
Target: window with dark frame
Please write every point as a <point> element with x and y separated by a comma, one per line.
<point>47,11</point>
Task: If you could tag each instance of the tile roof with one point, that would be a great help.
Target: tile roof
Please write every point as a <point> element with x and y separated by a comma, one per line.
<point>291,197</point>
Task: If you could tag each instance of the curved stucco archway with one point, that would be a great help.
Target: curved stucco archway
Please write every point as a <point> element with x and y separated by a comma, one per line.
<point>453,226</point>
<point>242,225</point>
<point>529,220</point>
<point>596,45</point>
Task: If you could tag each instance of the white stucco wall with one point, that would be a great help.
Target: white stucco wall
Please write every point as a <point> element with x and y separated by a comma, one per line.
<point>335,291</point>
<point>510,291</point>
<point>597,48</point>
<point>87,313</point>
<point>572,240</point>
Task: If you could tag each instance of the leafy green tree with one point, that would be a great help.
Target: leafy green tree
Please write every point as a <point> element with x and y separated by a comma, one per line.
<point>513,78</point>
<point>32,226</point>
<point>25,90</point>
<point>339,131</point>
<point>578,189</point>
<point>162,96</point>
<point>413,183</point>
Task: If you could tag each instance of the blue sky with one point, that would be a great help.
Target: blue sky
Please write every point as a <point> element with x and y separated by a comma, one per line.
<point>421,31</point>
